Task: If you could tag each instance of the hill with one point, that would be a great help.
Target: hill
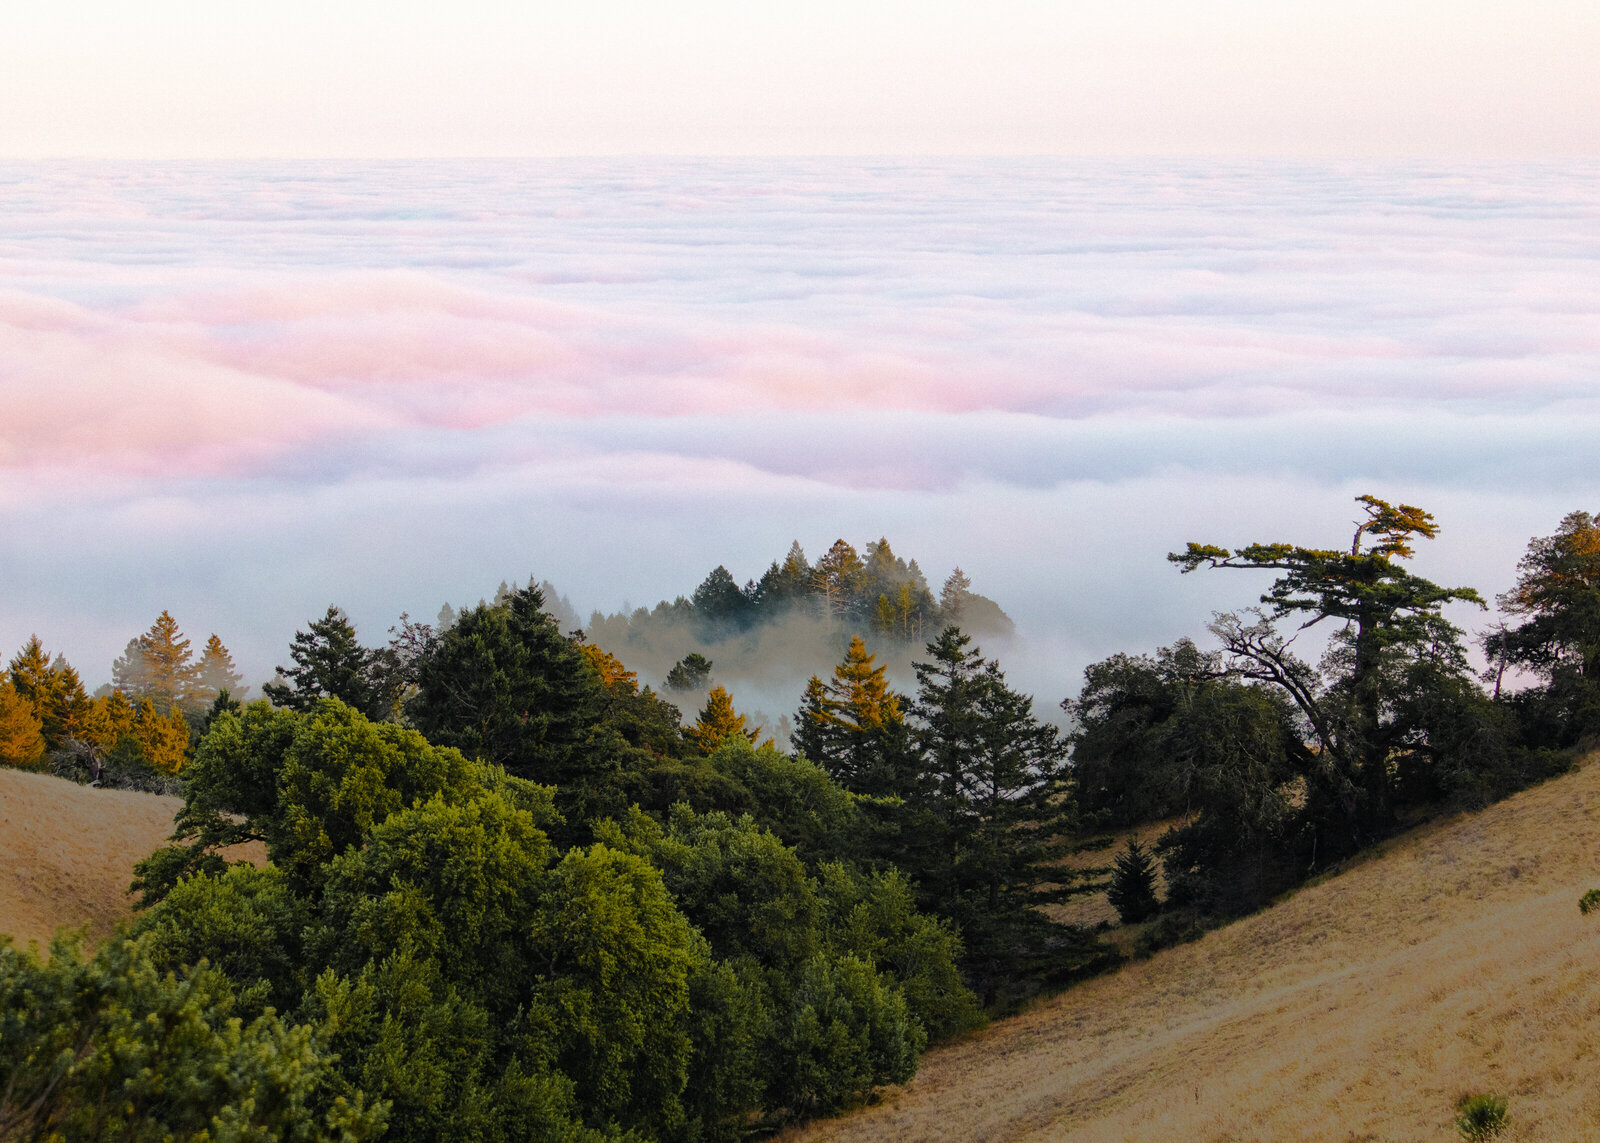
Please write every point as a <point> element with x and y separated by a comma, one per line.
<point>69,852</point>
<point>1451,960</point>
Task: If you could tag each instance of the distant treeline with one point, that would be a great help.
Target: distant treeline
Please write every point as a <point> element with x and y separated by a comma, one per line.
<point>510,895</point>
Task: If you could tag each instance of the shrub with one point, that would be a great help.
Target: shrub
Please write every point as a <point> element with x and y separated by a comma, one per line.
<point>1481,1116</point>
<point>1589,902</point>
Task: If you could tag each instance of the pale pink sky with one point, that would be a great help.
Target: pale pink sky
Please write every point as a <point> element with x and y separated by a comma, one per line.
<point>195,78</point>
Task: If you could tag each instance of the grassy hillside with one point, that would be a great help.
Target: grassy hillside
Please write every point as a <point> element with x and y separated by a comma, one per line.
<point>1453,960</point>
<point>69,852</point>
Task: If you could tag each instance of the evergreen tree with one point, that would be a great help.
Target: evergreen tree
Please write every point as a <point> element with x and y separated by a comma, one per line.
<point>717,720</point>
<point>955,596</point>
<point>53,689</point>
<point>505,685</point>
<point>330,662</point>
<point>691,673</point>
<point>719,604</point>
<point>785,584</point>
<point>855,725</point>
<point>21,731</point>
<point>1132,892</point>
<point>214,674</point>
<point>158,666</point>
<point>840,579</point>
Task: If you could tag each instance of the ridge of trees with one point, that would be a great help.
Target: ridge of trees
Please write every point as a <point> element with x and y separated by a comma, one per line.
<point>511,895</point>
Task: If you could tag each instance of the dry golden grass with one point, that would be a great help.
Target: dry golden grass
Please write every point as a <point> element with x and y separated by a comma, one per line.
<point>69,852</point>
<point>1454,960</point>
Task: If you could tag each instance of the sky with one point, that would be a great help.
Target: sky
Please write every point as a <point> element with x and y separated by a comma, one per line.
<point>244,391</point>
<point>382,304</point>
<point>426,78</point>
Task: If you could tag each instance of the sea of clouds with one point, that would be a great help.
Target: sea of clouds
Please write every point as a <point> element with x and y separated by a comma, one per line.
<point>243,391</point>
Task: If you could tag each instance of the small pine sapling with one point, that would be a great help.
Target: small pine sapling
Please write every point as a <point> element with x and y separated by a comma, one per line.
<point>1133,884</point>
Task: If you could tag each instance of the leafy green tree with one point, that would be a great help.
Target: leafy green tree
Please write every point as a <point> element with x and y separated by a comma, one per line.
<point>113,1049</point>
<point>330,662</point>
<point>1121,770</point>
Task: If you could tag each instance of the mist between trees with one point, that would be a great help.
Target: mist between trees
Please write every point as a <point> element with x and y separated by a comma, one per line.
<point>510,895</point>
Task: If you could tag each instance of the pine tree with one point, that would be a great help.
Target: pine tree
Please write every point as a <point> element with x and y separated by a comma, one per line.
<point>691,673</point>
<point>953,597</point>
<point>164,738</point>
<point>854,725</point>
<point>717,720</point>
<point>53,689</point>
<point>21,731</point>
<point>330,662</point>
<point>1132,891</point>
<point>158,666</point>
<point>214,674</point>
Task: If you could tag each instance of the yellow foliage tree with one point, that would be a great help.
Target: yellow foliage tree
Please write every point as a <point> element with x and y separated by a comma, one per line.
<point>21,730</point>
<point>859,697</point>
<point>107,720</point>
<point>164,738</point>
<point>718,720</point>
<point>616,677</point>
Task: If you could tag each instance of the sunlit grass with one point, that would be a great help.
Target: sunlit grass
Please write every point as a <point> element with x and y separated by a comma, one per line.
<point>1364,1007</point>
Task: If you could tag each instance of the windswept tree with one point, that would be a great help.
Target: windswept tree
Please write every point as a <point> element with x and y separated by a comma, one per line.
<point>1370,707</point>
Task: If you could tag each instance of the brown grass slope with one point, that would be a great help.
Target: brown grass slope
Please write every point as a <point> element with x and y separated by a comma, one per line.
<point>67,853</point>
<point>1453,960</point>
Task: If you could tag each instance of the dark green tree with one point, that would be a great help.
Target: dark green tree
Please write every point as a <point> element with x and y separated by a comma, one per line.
<point>691,673</point>
<point>330,662</point>
<point>1132,891</point>
<point>505,685</point>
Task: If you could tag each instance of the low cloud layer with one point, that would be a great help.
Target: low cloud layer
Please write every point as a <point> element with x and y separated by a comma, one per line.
<point>243,391</point>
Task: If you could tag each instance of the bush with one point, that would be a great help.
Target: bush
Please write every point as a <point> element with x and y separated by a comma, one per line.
<point>1481,1116</point>
<point>1589,902</point>
<point>1133,884</point>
